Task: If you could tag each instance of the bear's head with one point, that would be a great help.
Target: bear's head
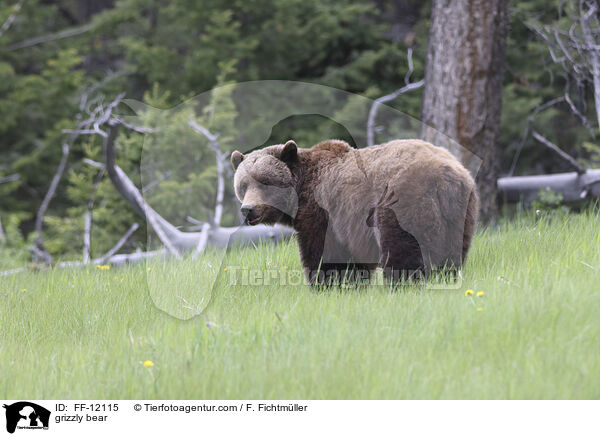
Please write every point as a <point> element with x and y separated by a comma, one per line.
<point>265,185</point>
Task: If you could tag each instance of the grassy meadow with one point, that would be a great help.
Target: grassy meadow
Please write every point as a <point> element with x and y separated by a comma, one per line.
<point>533,334</point>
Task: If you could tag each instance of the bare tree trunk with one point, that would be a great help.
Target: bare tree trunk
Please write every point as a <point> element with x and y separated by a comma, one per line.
<point>594,53</point>
<point>39,249</point>
<point>589,21</point>
<point>463,83</point>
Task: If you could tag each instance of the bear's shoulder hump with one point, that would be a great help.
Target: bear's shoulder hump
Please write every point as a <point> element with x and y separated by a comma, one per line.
<point>335,146</point>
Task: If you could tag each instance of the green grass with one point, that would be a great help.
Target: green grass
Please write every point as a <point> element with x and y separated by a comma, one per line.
<point>84,333</point>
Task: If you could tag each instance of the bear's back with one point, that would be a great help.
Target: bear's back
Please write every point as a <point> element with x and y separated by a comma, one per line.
<point>429,186</point>
<point>406,152</point>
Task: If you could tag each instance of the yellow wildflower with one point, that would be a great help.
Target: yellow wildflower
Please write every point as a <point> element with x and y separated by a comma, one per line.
<point>468,292</point>
<point>225,269</point>
<point>103,266</point>
<point>23,290</point>
<point>480,293</point>
<point>148,363</point>
<point>479,309</point>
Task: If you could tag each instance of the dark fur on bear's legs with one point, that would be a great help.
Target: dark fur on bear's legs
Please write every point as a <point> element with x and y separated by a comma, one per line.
<point>312,237</point>
<point>311,242</point>
<point>400,255</point>
<point>322,273</point>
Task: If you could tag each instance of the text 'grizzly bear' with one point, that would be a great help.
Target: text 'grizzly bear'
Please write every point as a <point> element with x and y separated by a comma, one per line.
<point>407,205</point>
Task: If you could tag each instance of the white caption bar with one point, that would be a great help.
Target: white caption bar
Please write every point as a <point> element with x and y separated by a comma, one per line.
<point>299,417</point>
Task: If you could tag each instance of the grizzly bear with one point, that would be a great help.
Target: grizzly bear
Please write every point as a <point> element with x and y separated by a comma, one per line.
<point>406,206</point>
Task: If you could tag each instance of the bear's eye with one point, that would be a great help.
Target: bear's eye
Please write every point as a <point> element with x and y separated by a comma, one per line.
<point>243,189</point>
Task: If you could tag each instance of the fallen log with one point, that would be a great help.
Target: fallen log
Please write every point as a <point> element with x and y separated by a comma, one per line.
<point>572,186</point>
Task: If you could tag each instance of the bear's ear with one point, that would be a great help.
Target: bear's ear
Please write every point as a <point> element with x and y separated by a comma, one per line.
<point>289,152</point>
<point>236,159</point>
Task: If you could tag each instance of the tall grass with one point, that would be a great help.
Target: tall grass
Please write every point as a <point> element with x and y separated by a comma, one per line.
<point>84,333</point>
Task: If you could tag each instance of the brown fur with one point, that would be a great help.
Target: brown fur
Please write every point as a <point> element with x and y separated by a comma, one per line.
<point>405,205</point>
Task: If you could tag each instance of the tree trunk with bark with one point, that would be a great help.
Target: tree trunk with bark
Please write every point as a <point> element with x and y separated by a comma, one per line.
<point>463,83</point>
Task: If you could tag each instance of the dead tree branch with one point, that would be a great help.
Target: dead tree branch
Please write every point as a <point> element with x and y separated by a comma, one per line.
<point>11,178</point>
<point>84,104</point>
<point>154,183</point>
<point>103,259</point>
<point>163,229</point>
<point>67,33</point>
<point>578,113</point>
<point>11,18</point>
<point>572,162</point>
<point>221,159</point>
<point>40,250</point>
<point>389,97</point>
<point>92,162</point>
<point>203,241</point>
<point>527,130</point>
<point>411,66</point>
<point>576,50</point>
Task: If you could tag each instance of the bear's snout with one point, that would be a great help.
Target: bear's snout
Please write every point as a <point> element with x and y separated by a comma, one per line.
<point>250,214</point>
<point>246,209</point>
<point>262,214</point>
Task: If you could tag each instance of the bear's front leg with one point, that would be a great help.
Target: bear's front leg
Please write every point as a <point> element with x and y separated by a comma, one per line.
<point>316,242</point>
<point>311,245</point>
<point>400,254</point>
<point>318,272</point>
